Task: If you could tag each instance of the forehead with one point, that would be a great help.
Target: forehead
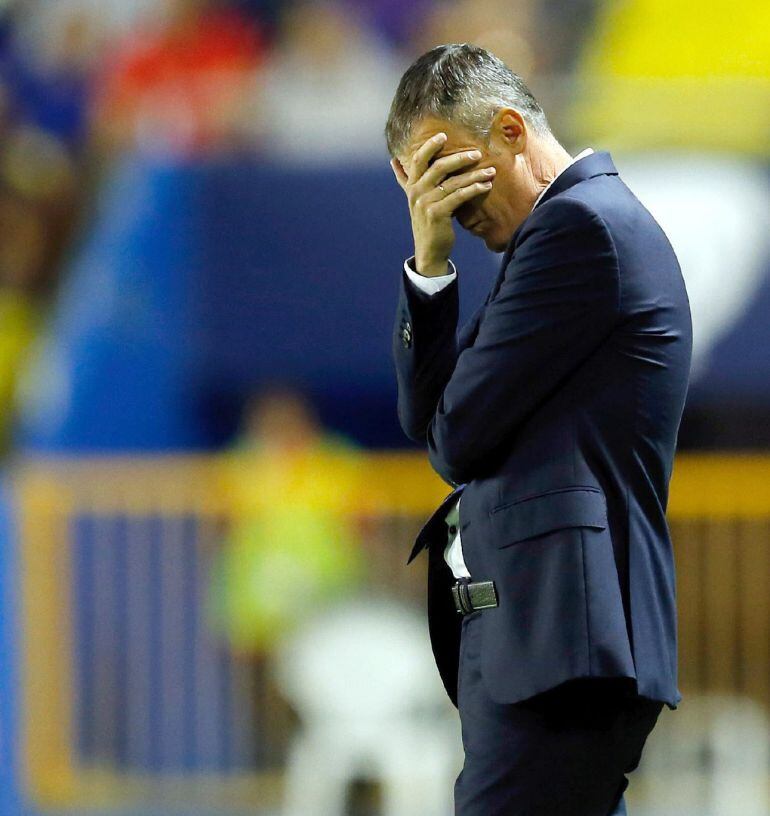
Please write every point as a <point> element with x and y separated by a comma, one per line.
<point>457,138</point>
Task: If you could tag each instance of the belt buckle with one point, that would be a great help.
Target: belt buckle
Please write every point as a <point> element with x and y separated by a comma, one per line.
<point>485,596</point>
<point>462,597</point>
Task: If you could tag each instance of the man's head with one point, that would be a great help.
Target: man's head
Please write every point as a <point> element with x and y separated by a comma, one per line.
<point>473,97</point>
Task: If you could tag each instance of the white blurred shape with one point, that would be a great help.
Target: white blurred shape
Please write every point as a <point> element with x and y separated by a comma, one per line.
<point>716,213</point>
<point>325,95</point>
<point>711,757</point>
<point>741,754</point>
<point>364,683</point>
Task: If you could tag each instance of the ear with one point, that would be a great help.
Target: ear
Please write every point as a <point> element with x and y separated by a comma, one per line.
<point>399,173</point>
<point>509,130</point>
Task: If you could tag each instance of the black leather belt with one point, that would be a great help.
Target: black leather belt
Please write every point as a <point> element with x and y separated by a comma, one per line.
<point>469,597</point>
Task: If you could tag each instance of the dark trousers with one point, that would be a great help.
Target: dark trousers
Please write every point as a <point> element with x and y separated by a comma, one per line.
<point>561,753</point>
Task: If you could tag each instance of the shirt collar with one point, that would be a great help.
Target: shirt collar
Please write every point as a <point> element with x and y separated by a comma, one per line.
<point>583,153</point>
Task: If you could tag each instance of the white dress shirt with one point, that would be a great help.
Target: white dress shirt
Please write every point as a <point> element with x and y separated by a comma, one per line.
<point>453,553</point>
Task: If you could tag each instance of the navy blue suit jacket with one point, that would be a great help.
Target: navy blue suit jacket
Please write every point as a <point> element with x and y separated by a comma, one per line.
<point>555,412</point>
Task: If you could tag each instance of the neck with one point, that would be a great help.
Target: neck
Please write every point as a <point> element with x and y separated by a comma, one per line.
<point>545,161</point>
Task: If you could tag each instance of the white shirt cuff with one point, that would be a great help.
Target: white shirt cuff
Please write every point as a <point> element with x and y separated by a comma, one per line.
<point>431,286</point>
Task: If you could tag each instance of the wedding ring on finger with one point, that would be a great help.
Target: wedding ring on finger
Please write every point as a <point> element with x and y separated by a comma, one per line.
<point>441,187</point>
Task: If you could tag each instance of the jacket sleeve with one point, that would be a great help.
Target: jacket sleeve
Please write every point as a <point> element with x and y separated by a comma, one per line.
<point>558,301</point>
<point>424,352</point>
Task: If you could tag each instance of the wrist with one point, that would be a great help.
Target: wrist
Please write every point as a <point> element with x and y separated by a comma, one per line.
<point>431,269</point>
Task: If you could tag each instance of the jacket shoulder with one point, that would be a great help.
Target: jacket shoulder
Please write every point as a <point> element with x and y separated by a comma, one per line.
<point>566,218</point>
<point>564,224</point>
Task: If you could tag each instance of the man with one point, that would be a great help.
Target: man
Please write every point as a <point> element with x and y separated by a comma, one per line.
<point>554,414</point>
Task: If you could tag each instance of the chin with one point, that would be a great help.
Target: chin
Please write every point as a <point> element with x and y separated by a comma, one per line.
<point>495,245</point>
<point>496,242</point>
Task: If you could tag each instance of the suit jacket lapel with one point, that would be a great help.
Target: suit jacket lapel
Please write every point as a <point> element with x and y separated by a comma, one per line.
<point>434,528</point>
<point>504,263</point>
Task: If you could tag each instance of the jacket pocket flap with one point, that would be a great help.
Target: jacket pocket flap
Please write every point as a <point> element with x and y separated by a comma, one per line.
<point>556,510</point>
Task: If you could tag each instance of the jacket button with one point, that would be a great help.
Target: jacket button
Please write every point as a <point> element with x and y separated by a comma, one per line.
<point>406,336</point>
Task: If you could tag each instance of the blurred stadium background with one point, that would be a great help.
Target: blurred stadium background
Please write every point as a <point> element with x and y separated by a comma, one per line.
<point>206,501</point>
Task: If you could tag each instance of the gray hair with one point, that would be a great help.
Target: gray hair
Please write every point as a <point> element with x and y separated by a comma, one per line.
<point>459,83</point>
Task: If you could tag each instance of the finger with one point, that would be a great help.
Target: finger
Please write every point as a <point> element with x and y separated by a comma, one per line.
<point>447,205</point>
<point>442,167</point>
<point>441,170</point>
<point>461,180</point>
<point>424,154</point>
<point>399,173</point>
